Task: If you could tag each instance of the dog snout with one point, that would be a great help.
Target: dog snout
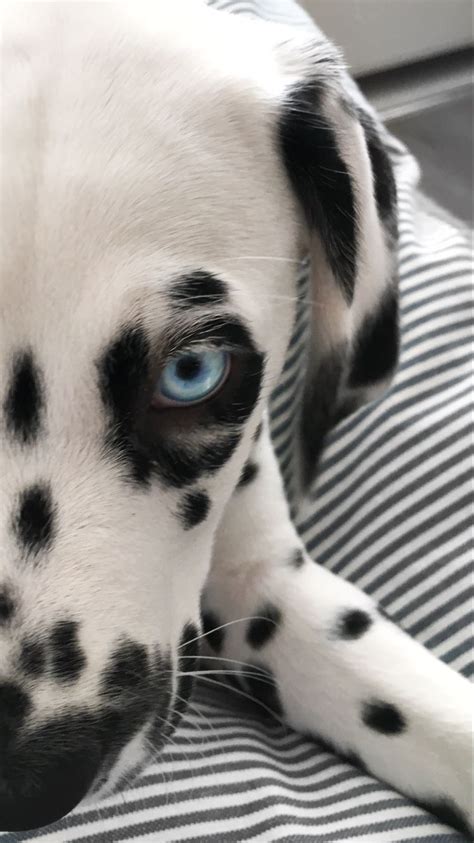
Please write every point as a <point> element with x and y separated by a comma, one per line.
<point>44,772</point>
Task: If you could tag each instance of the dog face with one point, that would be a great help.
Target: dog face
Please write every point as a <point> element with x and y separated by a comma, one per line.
<point>151,227</point>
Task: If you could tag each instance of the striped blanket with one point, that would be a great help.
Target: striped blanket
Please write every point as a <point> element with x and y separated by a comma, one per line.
<point>390,510</point>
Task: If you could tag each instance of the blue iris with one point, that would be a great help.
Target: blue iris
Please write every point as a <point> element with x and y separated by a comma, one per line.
<point>193,376</point>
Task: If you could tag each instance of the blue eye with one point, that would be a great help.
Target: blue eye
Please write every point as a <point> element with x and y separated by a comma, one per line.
<point>191,377</point>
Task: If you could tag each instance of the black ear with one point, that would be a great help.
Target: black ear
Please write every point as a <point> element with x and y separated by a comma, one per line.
<point>341,173</point>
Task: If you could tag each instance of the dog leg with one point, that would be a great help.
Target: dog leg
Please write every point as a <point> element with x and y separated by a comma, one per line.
<point>342,671</point>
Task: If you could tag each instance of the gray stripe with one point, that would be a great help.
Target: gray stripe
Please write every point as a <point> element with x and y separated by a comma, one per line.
<point>401,491</point>
<point>404,448</point>
<point>246,810</point>
<point>441,563</point>
<point>414,508</point>
<point>442,584</point>
<point>401,540</point>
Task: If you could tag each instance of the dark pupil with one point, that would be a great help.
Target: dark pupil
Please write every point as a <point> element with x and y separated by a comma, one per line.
<point>188,367</point>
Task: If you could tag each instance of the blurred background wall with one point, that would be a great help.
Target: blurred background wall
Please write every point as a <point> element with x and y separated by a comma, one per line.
<point>378,34</point>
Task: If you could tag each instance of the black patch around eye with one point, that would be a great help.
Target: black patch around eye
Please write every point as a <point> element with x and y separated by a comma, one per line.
<point>321,180</point>
<point>178,467</point>
<point>377,344</point>
<point>7,607</point>
<point>67,656</point>
<point>123,372</point>
<point>385,187</point>
<point>262,685</point>
<point>34,521</point>
<point>32,658</point>
<point>225,330</point>
<point>214,634</point>
<point>249,473</point>
<point>194,509</point>
<point>297,559</point>
<point>235,408</point>
<point>447,812</point>
<point>261,630</point>
<point>199,289</point>
<point>353,624</point>
<point>127,670</point>
<point>24,401</point>
<point>383,717</point>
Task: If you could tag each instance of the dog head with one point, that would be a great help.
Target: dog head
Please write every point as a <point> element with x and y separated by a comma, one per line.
<point>164,168</point>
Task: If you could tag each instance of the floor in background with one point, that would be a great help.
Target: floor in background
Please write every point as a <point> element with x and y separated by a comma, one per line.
<point>442,139</point>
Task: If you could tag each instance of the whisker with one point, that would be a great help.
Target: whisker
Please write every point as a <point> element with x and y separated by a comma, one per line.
<point>247,696</point>
<point>262,677</point>
<point>221,659</point>
<point>222,626</point>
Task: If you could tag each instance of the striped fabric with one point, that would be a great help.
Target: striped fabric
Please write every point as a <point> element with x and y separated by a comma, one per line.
<point>390,510</point>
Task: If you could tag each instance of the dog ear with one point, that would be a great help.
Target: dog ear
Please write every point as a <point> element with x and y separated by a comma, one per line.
<point>341,174</point>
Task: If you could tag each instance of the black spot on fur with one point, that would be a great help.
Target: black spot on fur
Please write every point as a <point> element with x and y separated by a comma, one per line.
<point>123,372</point>
<point>261,684</point>
<point>377,344</point>
<point>383,717</point>
<point>319,407</point>
<point>127,670</point>
<point>34,521</point>
<point>448,812</point>
<point>297,559</point>
<point>7,607</point>
<point>67,656</point>
<point>353,624</point>
<point>321,179</point>
<point>261,630</point>
<point>32,658</point>
<point>249,472</point>
<point>258,432</point>
<point>213,634</point>
<point>188,651</point>
<point>199,289</point>
<point>194,509</point>
<point>24,401</point>
<point>14,704</point>
<point>384,181</point>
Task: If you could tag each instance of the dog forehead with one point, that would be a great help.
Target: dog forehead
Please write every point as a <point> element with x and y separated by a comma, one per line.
<point>133,144</point>
<point>110,131</point>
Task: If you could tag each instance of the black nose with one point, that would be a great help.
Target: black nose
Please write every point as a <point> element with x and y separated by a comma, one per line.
<point>45,773</point>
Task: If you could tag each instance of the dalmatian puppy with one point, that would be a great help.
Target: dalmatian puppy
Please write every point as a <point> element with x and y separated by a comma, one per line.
<point>164,169</point>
